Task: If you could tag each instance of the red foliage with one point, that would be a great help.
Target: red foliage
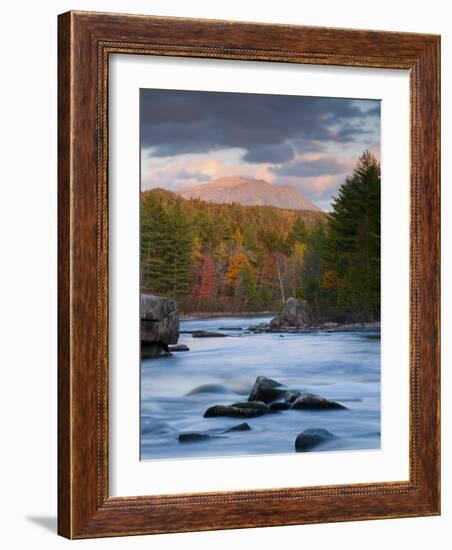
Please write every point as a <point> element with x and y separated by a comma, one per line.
<point>206,280</point>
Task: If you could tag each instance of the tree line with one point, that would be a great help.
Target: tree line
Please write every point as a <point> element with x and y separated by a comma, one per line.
<point>232,258</point>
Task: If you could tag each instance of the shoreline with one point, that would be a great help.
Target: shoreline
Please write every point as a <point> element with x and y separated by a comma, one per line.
<point>219,314</point>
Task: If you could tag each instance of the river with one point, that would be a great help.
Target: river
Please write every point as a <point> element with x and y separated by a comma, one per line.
<point>341,366</point>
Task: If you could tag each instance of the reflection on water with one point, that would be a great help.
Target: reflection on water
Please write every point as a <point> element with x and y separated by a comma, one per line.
<point>342,366</point>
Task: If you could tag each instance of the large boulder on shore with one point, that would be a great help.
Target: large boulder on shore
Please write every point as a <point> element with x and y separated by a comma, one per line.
<point>295,313</point>
<point>159,325</point>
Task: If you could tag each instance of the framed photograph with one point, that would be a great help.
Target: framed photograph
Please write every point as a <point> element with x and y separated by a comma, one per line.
<point>248,275</point>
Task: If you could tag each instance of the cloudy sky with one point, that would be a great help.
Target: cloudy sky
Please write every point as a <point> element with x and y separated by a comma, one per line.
<point>311,143</point>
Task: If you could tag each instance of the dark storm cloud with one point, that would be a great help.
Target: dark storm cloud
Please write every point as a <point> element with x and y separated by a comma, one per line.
<point>268,127</point>
<point>302,168</point>
<point>281,152</point>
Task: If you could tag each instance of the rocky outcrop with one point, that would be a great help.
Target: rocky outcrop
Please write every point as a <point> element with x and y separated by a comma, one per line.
<point>159,325</point>
<point>309,439</point>
<point>295,314</point>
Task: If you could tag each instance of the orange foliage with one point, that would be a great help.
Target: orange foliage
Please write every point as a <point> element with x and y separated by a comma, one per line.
<point>329,280</point>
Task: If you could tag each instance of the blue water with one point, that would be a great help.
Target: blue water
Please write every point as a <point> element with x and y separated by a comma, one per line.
<point>342,366</point>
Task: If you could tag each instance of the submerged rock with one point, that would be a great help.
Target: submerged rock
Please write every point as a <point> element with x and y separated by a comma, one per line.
<point>255,405</point>
<point>312,401</point>
<point>309,439</point>
<point>266,390</point>
<point>193,436</point>
<point>208,388</point>
<point>235,412</point>
<point>295,313</point>
<point>179,347</point>
<point>207,334</point>
<point>261,327</point>
<point>230,328</point>
<point>243,427</point>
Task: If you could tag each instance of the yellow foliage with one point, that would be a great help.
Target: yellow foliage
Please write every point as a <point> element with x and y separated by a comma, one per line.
<point>238,238</point>
<point>299,251</point>
<point>236,265</point>
<point>197,255</point>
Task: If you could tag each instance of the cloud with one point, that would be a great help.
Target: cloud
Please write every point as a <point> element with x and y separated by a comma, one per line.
<point>305,168</point>
<point>281,152</point>
<point>267,127</point>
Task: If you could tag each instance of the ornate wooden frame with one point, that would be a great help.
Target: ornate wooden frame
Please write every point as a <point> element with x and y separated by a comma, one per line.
<point>86,40</point>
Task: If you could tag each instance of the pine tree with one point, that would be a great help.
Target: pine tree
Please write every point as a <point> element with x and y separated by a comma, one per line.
<point>354,240</point>
<point>180,256</point>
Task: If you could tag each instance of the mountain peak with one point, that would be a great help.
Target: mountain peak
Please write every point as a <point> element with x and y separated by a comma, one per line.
<point>249,191</point>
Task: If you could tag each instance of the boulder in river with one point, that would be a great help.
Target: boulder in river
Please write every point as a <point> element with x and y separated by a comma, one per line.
<point>255,405</point>
<point>243,427</point>
<point>235,412</point>
<point>291,396</point>
<point>207,334</point>
<point>208,388</point>
<point>159,325</point>
<point>279,406</point>
<point>192,437</point>
<point>295,313</point>
<point>309,439</point>
<point>179,347</point>
<point>311,401</point>
<point>266,390</point>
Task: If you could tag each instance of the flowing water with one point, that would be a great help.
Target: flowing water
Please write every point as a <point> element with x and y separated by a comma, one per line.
<point>341,366</point>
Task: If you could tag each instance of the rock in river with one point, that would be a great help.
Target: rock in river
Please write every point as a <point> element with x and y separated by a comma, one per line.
<point>248,411</point>
<point>243,427</point>
<point>309,439</point>
<point>295,313</point>
<point>314,402</point>
<point>179,347</point>
<point>266,390</point>
<point>208,388</point>
<point>159,325</point>
<point>207,334</point>
<point>280,406</point>
<point>192,436</point>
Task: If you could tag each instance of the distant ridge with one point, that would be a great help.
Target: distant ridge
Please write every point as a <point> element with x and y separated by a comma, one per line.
<point>249,191</point>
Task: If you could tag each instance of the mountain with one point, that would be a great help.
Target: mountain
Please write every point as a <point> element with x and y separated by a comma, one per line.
<point>249,192</point>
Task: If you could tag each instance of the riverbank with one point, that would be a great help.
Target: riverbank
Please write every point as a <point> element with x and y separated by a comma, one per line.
<point>224,314</point>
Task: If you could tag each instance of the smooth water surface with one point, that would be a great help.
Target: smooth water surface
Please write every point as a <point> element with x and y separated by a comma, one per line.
<point>342,366</point>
